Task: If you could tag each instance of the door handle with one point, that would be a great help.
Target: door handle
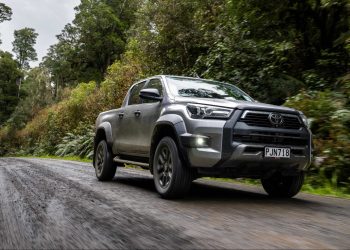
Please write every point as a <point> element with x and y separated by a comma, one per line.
<point>137,113</point>
<point>121,115</point>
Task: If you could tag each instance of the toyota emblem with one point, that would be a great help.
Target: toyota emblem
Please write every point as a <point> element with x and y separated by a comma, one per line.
<point>276,119</point>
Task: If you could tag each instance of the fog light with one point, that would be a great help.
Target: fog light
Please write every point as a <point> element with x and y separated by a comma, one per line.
<point>195,141</point>
<point>200,141</point>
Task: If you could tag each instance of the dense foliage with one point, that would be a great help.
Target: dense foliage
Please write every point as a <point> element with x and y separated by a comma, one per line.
<point>291,52</point>
<point>329,116</point>
<point>9,73</point>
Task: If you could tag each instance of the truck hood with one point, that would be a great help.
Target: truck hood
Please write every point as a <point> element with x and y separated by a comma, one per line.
<point>234,104</point>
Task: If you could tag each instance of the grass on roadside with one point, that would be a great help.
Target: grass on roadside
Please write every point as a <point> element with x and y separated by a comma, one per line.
<point>326,190</point>
<point>67,158</point>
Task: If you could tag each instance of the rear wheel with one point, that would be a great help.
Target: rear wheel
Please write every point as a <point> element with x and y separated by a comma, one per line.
<point>105,168</point>
<point>171,177</point>
<point>283,186</point>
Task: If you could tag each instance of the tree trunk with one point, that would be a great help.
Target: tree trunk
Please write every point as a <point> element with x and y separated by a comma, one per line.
<point>19,83</point>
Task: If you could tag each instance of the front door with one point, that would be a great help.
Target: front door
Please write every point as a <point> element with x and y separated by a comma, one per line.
<point>149,114</point>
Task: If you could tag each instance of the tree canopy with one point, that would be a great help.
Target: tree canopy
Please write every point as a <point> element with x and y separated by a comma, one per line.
<point>5,13</point>
<point>92,42</point>
<point>270,48</point>
<point>23,46</point>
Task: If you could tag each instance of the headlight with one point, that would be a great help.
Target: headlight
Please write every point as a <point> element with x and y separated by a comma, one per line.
<point>305,120</point>
<point>197,111</point>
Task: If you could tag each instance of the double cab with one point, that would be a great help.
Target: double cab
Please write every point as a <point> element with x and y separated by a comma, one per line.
<point>183,128</point>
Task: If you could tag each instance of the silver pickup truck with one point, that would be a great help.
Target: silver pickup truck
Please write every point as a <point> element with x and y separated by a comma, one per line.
<point>183,128</point>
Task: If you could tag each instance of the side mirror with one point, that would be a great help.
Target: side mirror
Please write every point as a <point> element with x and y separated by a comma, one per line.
<point>150,94</point>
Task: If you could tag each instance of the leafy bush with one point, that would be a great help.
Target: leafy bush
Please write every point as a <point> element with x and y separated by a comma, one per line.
<point>51,124</point>
<point>78,143</point>
<point>329,114</point>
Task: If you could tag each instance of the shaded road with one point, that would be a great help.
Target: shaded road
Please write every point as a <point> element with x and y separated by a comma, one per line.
<point>60,204</point>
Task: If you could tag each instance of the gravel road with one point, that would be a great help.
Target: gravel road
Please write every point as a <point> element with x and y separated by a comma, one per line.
<point>60,204</point>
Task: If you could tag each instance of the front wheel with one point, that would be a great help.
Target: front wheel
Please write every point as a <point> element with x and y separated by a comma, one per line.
<point>171,177</point>
<point>105,168</point>
<point>283,186</point>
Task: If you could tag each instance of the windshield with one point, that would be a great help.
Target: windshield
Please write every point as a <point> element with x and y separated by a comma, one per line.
<point>188,87</point>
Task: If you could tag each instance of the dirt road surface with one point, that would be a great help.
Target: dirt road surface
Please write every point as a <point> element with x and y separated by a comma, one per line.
<point>60,204</point>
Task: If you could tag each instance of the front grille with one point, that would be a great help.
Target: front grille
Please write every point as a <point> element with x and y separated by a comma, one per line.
<point>261,119</point>
<point>284,139</point>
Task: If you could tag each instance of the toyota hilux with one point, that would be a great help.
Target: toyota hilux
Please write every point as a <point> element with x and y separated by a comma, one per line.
<point>183,128</point>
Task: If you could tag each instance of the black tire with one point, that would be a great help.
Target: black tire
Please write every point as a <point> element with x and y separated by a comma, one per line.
<point>105,168</point>
<point>283,186</point>
<point>172,178</point>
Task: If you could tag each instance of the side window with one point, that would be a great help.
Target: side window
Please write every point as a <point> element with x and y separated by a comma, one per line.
<point>154,84</point>
<point>134,97</point>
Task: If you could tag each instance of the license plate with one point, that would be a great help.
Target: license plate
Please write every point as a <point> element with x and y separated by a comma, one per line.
<point>271,152</point>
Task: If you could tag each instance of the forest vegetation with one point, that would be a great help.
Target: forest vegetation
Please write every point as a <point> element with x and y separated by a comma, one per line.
<point>288,52</point>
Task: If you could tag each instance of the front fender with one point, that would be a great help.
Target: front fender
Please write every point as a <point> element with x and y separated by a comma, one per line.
<point>177,126</point>
<point>173,120</point>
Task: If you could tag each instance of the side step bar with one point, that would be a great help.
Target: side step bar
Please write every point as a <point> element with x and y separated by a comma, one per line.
<point>141,164</point>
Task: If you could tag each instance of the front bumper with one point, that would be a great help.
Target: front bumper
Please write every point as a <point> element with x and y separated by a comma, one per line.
<point>227,149</point>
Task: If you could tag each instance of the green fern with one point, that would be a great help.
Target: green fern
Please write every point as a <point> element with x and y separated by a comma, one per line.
<point>78,143</point>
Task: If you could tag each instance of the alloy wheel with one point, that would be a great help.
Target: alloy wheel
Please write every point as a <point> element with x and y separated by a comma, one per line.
<point>164,167</point>
<point>100,159</point>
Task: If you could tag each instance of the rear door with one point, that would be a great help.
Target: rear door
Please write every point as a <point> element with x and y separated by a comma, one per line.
<point>127,140</point>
